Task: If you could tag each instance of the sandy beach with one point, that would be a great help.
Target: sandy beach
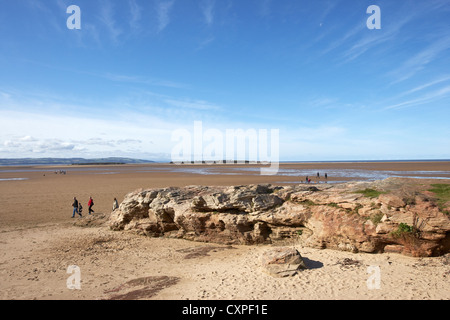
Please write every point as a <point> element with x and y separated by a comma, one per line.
<point>40,240</point>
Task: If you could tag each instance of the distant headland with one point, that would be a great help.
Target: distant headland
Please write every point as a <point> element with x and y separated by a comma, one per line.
<point>70,161</point>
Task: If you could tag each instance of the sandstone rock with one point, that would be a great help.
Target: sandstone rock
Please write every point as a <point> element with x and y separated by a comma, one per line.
<point>394,248</point>
<point>385,227</point>
<point>332,216</point>
<point>282,262</point>
<point>392,200</point>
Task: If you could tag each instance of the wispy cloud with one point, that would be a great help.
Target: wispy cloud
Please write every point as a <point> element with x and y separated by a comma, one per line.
<point>45,16</point>
<point>342,40</point>
<point>139,80</point>
<point>163,11</point>
<point>375,39</point>
<point>106,17</point>
<point>358,40</point>
<point>204,43</point>
<point>207,7</point>
<point>421,59</point>
<point>192,104</point>
<point>328,9</point>
<point>427,85</point>
<point>136,14</point>
<point>426,98</point>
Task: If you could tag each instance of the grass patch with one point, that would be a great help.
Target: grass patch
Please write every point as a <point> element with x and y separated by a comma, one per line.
<point>402,229</point>
<point>370,193</point>
<point>410,238</point>
<point>376,218</point>
<point>308,202</point>
<point>442,192</point>
<point>357,207</point>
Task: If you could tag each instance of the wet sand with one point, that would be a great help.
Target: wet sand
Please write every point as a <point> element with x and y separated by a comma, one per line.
<point>46,197</point>
<point>39,240</point>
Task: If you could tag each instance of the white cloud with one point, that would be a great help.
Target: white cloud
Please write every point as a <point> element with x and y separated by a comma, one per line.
<point>28,133</point>
<point>27,139</point>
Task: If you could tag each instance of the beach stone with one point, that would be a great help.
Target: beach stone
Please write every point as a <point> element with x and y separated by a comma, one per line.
<point>282,262</point>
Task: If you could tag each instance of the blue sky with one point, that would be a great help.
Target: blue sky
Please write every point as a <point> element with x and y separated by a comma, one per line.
<point>138,70</point>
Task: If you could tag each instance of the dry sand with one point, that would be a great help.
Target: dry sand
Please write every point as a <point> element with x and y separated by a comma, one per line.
<point>39,241</point>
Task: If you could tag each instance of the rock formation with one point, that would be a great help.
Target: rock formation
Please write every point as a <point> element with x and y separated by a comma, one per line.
<point>391,218</point>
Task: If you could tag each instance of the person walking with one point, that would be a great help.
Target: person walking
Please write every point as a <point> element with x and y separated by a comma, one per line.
<point>115,204</point>
<point>90,204</point>
<point>75,207</point>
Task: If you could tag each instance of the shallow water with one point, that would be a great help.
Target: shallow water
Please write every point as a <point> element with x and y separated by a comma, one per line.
<point>353,174</point>
<point>334,173</point>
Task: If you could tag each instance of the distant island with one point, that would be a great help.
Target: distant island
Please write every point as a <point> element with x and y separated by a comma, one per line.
<point>70,161</point>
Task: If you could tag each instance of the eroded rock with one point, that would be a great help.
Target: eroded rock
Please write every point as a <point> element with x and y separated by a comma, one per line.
<point>328,216</point>
<point>282,262</point>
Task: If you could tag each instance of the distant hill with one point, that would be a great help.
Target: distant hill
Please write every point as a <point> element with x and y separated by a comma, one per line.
<point>69,161</point>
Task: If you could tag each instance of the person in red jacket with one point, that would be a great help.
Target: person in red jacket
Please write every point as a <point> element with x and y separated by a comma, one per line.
<point>90,205</point>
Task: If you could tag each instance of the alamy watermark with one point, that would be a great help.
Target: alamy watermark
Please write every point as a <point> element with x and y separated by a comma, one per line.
<point>74,20</point>
<point>374,21</point>
<point>74,281</point>
<point>374,280</point>
<point>236,146</point>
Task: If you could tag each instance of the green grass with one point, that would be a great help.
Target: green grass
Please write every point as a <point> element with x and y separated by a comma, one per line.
<point>370,193</point>
<point>376,218</point>
<point>308,202</point>
<point>333,205</point>
<point>442,192</point>
<point>403,228</point>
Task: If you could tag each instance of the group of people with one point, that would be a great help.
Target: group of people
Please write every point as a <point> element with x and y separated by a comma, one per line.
<point>78,208</point>
<point>308,180</point>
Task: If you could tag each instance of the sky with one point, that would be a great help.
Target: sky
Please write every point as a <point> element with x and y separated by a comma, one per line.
<point>138,71</point>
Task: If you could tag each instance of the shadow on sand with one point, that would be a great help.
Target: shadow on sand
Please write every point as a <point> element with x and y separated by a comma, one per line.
<point>312,264</point>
